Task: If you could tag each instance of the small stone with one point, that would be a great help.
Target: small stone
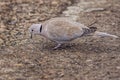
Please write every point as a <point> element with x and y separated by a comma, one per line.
<point>1,41</point>
<point>41,2</point>
<point>18,65</point>
<point>33,20</point>
<point>118,67</point>
<point>113,24</point>
<point>89,60</point>
<point>54,2</point>
<point>2,27</point>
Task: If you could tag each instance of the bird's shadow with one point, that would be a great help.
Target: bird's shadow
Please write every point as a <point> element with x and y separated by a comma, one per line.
<point>93,47</point>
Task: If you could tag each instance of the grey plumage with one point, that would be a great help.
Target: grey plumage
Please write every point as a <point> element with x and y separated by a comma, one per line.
<point>62,30</point>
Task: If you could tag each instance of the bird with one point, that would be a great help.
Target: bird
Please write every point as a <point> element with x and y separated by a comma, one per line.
<point>62,30</point>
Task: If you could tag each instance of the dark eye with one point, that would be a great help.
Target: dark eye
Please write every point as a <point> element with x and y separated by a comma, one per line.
<point>32,29</point>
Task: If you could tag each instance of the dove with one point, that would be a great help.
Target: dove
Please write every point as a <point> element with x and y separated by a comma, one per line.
<point>62,30</point>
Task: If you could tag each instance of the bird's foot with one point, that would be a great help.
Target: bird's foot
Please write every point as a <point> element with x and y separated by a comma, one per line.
<point>58,45</point>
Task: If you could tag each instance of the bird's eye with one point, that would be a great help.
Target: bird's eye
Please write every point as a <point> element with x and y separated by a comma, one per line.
<point>32,29</point>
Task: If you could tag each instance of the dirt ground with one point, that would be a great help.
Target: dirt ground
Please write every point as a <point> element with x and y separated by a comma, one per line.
<point>87,58</point>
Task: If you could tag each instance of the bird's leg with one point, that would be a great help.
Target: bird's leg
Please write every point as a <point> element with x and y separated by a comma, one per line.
<point>58,45</point>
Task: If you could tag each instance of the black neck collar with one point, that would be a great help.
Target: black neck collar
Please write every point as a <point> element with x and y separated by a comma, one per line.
<point>41,28</point>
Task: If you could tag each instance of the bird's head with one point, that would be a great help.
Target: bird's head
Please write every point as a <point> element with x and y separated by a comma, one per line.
<point>35,29</point>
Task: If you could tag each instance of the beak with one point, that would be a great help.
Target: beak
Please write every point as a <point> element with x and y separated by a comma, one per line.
<point>31,35</point>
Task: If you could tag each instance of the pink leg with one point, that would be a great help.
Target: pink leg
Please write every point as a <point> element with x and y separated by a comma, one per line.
<point>58,45</point>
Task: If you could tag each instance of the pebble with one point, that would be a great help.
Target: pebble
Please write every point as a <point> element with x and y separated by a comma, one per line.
<point>118,67</point>
<point>2,27</point>
<point>1,41</point>
<point>54,2</point>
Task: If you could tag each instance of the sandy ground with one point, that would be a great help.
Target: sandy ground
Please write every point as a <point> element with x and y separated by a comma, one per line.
<point>86,58</point>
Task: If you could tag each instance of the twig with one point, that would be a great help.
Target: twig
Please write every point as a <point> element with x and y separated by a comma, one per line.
<point>92,24</point>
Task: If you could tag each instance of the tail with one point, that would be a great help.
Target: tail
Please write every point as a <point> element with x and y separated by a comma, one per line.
<point>97,33</point>
<point>103,34</point>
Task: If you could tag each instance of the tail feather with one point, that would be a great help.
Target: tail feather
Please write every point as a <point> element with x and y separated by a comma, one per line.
<point>103,34</point>
<point>97,33</point>
<point>89,30</point>
<point>93,29</point>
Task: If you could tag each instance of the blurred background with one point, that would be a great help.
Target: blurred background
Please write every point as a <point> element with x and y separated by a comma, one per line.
<point>83,59</point>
